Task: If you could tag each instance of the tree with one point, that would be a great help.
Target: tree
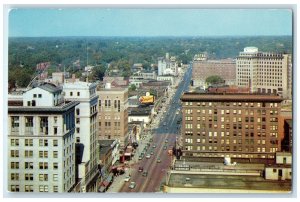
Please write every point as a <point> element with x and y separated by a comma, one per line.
<point>132,87</point>
<point>214,79</point>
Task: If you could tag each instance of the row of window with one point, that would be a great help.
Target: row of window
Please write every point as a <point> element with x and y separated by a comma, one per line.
<point>228,148</point>
<point>233,134</point>
<point>29,154</point>
<point>30,165</point>
<point>29,188</point>
<point>29,142</point>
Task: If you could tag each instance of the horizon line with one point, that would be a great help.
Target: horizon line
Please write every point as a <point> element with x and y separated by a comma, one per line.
<point>150,36</point>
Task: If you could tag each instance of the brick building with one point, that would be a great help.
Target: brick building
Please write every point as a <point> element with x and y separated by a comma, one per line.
<point>234,125</point>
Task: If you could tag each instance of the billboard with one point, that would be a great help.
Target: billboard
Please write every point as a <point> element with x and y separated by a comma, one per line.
<point>147,99</point>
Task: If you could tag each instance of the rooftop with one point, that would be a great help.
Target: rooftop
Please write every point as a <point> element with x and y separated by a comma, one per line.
<point>50,88</point>
<point>79,85</point>
<point>230,97</point>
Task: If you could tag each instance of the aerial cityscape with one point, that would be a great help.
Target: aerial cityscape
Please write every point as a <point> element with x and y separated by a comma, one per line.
<point>150,101</point>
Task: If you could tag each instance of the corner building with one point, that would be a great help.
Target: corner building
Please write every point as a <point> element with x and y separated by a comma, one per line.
<point>234,125</point>
<point>41,141</point>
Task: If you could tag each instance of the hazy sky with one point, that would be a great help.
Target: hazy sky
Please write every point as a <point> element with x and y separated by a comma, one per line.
<point>149,22</point>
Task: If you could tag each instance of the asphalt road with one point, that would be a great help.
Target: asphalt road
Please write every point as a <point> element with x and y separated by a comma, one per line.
<point>166,129</point>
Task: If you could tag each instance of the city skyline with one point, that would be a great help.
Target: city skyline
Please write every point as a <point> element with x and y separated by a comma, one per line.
<point>55,22</point>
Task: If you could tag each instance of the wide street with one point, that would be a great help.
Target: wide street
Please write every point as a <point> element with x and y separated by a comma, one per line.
<point>163,139</point>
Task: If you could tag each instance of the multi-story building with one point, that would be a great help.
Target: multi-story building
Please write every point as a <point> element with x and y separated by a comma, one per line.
<point>113,114</point>
<point>202,69</point>
<point>167,65</point>
<point>85,133</point>
<point>230,125</point>
<point>41,141</point>
<point>264,72</point>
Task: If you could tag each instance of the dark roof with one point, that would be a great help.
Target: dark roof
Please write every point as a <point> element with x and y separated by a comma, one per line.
<point>43,110</point>
<point>230,97</point>
<point>50,88</point>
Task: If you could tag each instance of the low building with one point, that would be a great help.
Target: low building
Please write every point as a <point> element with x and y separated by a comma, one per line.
<point>169,78</point>
<point>282,169</point>
<point>209,177</point>
<point>142,113</point>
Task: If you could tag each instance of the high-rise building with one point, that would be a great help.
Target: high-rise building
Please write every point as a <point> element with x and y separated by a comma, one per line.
<point>113,114</point>
<point>167,66</point>
<point>234,125</point>
<point>265,72</point>
<point>41,141</point>
<point>85,133</point>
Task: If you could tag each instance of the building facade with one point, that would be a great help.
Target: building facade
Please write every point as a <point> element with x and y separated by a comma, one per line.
<point>41,142</point>
<point>203,69</point>
<point>233,125</point>
<point>265,72</point>
<point>86,114</point>
<point>113,114</point>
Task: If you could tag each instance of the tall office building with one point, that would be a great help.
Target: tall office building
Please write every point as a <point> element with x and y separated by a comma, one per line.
<point>41,141</point>
<point>234,125</point>
<point>85,133</point>
<point>265,72</point>
<point>113,116</point>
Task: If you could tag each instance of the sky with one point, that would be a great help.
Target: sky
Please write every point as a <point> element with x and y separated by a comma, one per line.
<point>37,22</point>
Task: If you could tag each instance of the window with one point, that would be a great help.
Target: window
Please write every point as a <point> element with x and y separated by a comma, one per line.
<point>55,154</point>
<point>55,177</point>
<point>43,143</point>
<point>28,165</point>
<point>77,120</point>
<point>28,176</point>
<point>55,188</point>
<point>28,188</point>
<point>55,130</point>
<point>55,166</point>
<point>78,93</point>
<point>28,153</point>
<point>15,188</point>
<point>14,153</point>
<point>77,111</point>
<point>28,142</point>
<point>43,154</point>
<point>43,165</point>
<point>71,93</point>
<point>14,165</point>
<point>34,95</point>
<point>43,188</point>
<point>14,176</point>
<point>40,95</point>
<point>14,142</point>
<point>55,143</point>
<point>14,122</point>
<point>43,177</point>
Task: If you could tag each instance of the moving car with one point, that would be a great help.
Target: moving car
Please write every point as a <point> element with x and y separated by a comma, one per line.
<point>165,147</point>
<point>132,185</point>
<point>141,169</point>
<point>158,160</point>
<point>148,156</point>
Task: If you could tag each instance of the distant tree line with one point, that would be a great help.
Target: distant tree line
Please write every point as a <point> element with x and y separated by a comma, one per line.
<point>122,52</point>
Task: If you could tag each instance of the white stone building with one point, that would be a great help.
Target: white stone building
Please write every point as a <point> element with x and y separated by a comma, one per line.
<point>264,72</point>
<point>41,142</point>
<point>86,133</point>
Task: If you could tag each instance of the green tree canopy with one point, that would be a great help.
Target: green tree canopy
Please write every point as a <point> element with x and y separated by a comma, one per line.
<point>214,79</point>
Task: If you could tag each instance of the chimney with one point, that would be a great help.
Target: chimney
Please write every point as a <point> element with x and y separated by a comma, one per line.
<point>73,78</point>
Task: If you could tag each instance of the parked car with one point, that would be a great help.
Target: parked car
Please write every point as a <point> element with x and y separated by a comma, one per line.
<point>158,160</point>
<point>165,147</point>
<point>127,178</point>
<point>132,185</point>
<point>141,169</point>
<point>145,173</point>
<point>148,156</point>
